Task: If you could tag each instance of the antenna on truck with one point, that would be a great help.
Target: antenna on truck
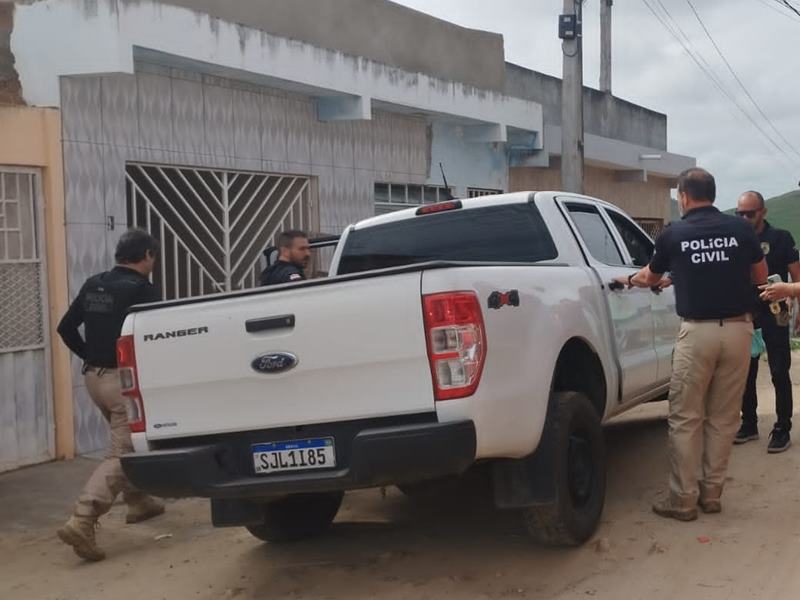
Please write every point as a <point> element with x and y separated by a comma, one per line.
<point>447,187</point>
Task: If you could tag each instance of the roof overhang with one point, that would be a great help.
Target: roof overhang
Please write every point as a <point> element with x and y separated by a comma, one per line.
<point>53,38</point>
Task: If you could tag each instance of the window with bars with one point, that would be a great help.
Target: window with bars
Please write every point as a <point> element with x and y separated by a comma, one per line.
<point>396,196</point>
<point>474,192</point>
<point>653,227</point>
<point>21,270</point>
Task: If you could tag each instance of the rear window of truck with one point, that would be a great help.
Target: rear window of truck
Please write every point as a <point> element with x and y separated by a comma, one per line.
<point>511,233</point>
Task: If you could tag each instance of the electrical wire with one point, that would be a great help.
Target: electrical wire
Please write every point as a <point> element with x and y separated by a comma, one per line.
<point>771,6</point>
<point>790,6</point>
<point>705,67</point>
<point>739,81</point>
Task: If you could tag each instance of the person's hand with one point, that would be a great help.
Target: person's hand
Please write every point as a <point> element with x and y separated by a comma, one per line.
<point>663,283</point>
<point>773,292</point>
<point>623,281</point>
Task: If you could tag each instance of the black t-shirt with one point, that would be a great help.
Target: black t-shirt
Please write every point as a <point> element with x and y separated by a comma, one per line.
<point>102,306</point>
<point>709,255</point>
<point>779,248</point>
<point>281,272</point>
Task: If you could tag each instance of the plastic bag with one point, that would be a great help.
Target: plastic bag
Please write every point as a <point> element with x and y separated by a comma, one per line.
<point>757,346</point>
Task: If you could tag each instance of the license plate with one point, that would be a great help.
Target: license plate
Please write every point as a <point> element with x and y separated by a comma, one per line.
<point>294,455</point>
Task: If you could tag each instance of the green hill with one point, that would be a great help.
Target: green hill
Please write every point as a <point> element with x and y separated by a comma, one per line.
<point>784,212</point>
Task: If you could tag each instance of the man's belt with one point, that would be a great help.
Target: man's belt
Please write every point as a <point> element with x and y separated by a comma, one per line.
<point>745,318</point>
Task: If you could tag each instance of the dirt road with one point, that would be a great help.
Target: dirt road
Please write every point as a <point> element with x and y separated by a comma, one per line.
<point>389,547</point>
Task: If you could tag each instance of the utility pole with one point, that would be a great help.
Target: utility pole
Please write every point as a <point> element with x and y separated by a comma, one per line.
<point>605,45</point>
<point>570,26</point>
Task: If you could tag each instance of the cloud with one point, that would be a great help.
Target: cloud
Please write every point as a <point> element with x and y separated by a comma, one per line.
<point>652,69</point>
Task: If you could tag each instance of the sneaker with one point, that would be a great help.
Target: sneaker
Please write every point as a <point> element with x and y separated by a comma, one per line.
<point>667,509</point>
<point>78,532</point>
<point>143,511</point>
<point>779,440</point>
<point>746,433</point>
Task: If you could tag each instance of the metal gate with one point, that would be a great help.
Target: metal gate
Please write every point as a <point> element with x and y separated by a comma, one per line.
<point>26,406</point>
<point>213,224</point>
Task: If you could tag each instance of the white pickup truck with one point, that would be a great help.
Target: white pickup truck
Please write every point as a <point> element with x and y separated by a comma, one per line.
<point>463,332</point>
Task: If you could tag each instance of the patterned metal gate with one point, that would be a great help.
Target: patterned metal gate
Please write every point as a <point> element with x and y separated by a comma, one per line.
<point>213,224</point>
<point>26,407</point>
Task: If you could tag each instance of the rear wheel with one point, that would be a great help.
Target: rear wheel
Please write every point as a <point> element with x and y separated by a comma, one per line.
<point>297,517</point>
<point>579,470</point>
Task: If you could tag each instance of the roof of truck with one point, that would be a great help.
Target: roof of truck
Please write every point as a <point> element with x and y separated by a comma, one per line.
<point>468,203</point>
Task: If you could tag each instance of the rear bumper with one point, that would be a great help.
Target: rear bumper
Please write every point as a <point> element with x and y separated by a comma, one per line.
<point>367,457</point>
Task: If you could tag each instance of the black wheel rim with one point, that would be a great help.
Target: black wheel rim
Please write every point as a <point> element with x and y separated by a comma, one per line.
<point>580,469</point>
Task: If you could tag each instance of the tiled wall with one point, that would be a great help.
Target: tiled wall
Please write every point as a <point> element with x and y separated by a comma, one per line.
<point>176,117</point>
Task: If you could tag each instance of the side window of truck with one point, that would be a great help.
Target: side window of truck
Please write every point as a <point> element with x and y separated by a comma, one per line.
<point>639,245</point>
<point>595,234</point>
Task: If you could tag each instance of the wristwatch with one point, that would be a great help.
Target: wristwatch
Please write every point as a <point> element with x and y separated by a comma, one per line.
<point>630,282</point>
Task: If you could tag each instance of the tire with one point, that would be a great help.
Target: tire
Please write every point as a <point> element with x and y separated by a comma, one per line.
<point>579,470</point>
<point>297,517</point>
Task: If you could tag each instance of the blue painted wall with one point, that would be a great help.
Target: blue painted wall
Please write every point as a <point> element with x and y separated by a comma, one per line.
<point>466,163</point>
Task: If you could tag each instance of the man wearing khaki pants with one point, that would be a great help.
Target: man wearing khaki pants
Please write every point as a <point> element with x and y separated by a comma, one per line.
<point>714,260</point>
<point>101,306</point>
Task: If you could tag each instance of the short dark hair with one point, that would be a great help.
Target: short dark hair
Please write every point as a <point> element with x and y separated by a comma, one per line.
<point>698,184</point>
<point>286,238</point>
<point>758,196</point>
<point>134,245</point>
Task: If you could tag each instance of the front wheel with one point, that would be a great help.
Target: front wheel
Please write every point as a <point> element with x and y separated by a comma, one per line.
<point>297,517</point>
<point>579,469</point>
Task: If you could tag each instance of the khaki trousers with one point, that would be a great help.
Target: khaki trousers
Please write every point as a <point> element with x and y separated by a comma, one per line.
<point>709,372</point>
<point>108,480</point>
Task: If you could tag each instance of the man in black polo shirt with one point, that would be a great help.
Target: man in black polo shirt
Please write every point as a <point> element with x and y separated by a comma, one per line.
<point>782,259</point>
<point>101,306</point>
<point>294,253</point>
<point>715,259</point>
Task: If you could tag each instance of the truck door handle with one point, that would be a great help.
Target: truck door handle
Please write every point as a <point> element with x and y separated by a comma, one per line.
<point>656,290</point>
<point>269,323</point>
<point>615,285</point>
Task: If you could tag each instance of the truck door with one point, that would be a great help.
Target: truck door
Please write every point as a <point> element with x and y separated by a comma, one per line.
<point>630,310</point>
<point>665,320</point>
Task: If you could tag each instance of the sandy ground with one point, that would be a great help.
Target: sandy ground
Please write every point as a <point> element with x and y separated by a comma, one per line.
<point>390,547</point>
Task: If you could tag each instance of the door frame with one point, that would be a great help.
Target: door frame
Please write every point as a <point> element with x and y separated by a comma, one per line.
<point>40,232</point>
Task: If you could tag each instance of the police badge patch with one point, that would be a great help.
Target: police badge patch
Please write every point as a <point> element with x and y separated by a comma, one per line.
<point>765,248</point>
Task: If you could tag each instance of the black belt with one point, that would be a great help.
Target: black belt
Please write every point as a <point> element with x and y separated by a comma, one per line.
<point>745,318</point>
<point>87,368</point>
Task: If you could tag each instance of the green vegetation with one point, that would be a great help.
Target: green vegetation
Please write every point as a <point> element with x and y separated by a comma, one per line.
<point>784,212</point>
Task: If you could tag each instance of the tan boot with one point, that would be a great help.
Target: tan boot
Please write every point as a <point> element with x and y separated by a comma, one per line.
<point>710,505</point>
<point>78,532</point>
<point>671,510</point>
<point>144,510</point>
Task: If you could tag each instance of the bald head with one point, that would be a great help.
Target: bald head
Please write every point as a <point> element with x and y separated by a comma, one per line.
<point>752,198</point>
<point>751,206</point>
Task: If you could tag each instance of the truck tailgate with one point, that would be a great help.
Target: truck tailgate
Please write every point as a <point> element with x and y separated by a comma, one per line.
<point>360,349</point>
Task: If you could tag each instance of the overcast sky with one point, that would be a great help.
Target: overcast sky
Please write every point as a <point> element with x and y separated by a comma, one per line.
<point>652,69</point>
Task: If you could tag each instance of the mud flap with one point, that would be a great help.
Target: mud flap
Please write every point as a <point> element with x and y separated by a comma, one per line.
<point>528,481</point>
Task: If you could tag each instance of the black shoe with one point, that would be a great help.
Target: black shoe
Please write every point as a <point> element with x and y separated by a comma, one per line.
<point>779,441</point>
<point>746,434</point>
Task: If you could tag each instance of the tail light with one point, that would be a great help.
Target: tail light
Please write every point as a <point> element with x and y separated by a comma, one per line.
<point>129,383</point>
<point>456,343</point>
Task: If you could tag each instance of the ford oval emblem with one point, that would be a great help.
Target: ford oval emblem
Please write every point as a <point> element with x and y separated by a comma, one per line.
<point>275,362</point>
